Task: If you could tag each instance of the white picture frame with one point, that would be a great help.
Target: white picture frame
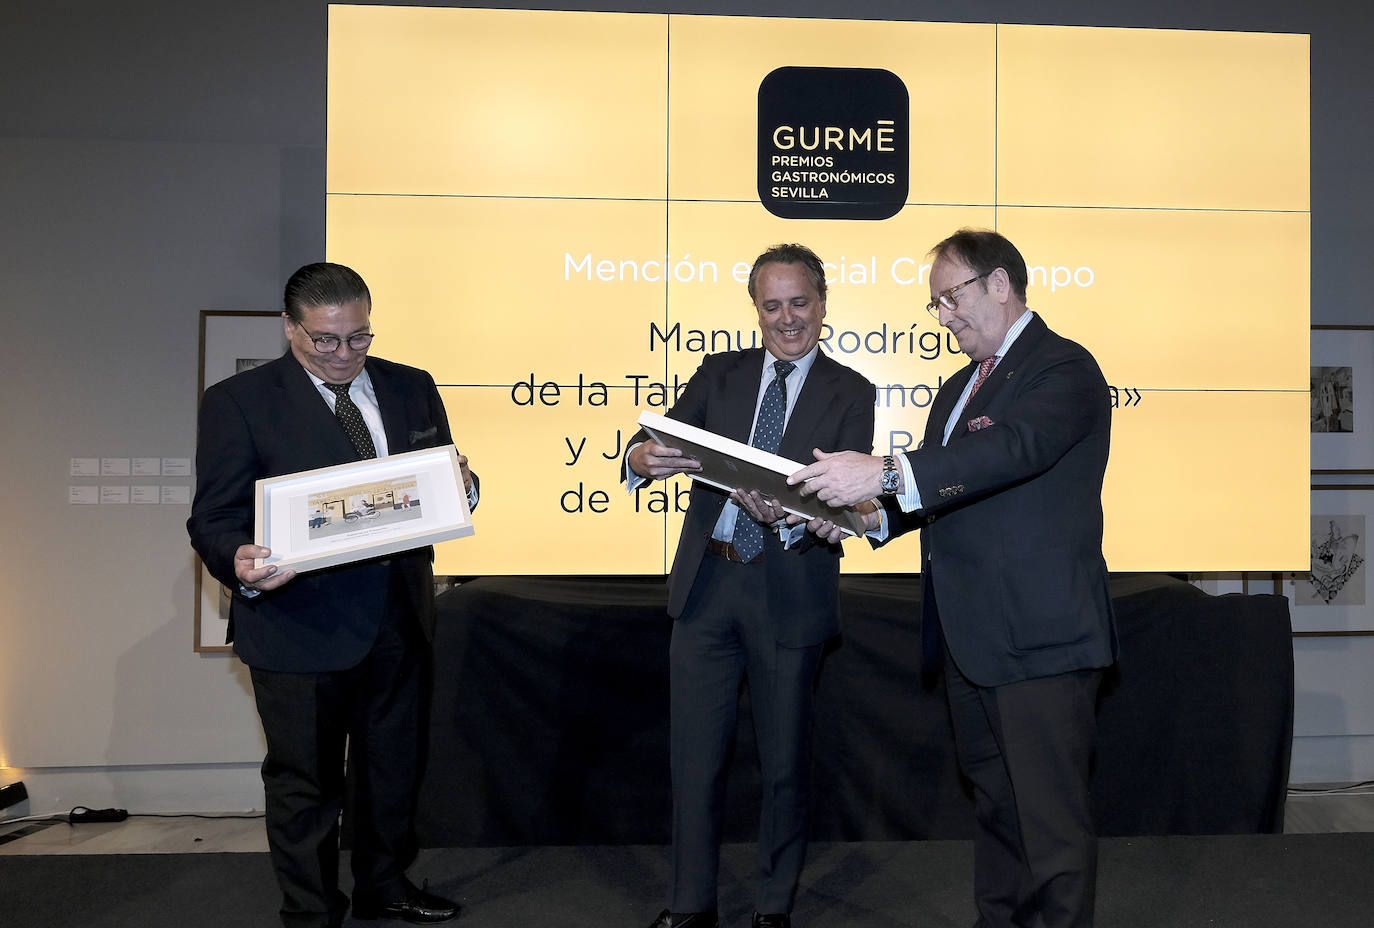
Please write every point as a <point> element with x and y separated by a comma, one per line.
<point>367,509</point>
<point>729,465</point>
<point>1338,598</point>
<point>230,341</point>
<point>1343,356</point>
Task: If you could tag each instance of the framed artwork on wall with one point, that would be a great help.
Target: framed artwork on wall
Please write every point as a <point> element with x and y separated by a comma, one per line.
<point>230,341</point>
<point>1342,399</point>
<point>1334,597</point>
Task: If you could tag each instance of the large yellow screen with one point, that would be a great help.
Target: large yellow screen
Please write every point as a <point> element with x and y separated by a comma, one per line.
<point>555,213</point>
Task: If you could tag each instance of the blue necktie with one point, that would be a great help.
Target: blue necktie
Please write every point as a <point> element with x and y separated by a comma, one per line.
<point>748,540</point>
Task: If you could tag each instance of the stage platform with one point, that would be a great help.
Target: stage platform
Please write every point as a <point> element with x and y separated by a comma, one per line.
<point>1232,881</point>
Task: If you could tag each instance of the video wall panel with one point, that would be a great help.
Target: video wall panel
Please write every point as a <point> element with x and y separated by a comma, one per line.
<point>556,213</point>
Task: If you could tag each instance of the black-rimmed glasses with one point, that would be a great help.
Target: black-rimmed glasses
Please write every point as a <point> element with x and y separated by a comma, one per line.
<point>328,344</point>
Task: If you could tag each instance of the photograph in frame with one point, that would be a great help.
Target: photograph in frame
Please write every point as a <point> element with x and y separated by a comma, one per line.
<point>729,465</point>
<point>1342,399</point>
<point>1334,595</point>
<point>367,509</point>
<point>230,341</point>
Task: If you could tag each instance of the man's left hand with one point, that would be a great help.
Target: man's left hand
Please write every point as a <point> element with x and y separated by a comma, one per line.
<point>760,508</point>
<point>467,474</point>
<point>842,478</point>
<point>830,532</point>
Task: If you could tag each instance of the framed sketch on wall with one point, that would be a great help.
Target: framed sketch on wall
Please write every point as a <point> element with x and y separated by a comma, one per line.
<point>229,342</point>
<point>1334,596</point>
<point>1342,399</point>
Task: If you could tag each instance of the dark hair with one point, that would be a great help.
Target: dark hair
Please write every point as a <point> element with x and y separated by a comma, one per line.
<point>791,254</point>
<point>323,284</point>
<point>985,251</point>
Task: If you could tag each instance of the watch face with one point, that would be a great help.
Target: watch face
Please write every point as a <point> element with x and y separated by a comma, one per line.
<point>889,481</point>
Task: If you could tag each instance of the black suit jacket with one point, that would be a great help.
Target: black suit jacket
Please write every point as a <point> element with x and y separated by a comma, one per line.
<point>1012,514</point>
<point>271,421</point>
<point>833,412</point>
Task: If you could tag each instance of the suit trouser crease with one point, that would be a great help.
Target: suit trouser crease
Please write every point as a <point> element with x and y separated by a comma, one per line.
<point>726,634</point>
<point>363,721</point>
<point>1027,749</point>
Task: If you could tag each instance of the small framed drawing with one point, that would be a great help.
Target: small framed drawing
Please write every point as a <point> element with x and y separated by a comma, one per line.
<point>1342,399</point>
<point>1334,595</point>
<point>230,341</point>
<point>351,512</point>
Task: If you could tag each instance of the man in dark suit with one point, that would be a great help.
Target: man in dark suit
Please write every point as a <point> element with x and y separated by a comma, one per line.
<point>338,655</point>
<point>1007,489</point>
<point>746,601</point>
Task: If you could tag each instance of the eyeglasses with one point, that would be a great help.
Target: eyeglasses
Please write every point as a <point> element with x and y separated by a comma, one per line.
<point>946,297</point>
<point>328,344</point>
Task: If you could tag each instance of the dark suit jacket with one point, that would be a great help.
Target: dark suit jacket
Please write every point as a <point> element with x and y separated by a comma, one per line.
<point>1012,514</point>
<point>833,412</point>
<point>271,421</point>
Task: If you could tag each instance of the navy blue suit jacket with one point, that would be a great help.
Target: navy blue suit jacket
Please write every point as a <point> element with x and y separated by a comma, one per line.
<point>1012,514</point>
<point>271,421</point>
<point>833,412</point>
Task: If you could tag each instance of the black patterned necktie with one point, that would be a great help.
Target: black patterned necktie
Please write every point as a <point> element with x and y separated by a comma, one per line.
<point>748,540</point>
<point>351,418</point>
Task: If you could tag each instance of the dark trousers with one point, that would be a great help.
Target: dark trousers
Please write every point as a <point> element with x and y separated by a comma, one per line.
<point>308,718</point>
<point>1027,747</point>
<point>724,634</point>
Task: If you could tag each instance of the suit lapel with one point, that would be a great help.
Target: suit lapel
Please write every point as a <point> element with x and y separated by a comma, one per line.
<point>808,412</point>
<point>741,393</point>
<point>392,406</point>
<point>309,413</point>
<point>1021,349</point>
<point>944,403</point>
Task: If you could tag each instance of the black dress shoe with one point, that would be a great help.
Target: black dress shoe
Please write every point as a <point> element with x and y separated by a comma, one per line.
<point>418,907</point>
<point>668,919</point>
<point>772,921</point>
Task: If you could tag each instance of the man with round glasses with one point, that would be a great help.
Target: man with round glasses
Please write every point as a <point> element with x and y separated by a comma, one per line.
<point>337,656</point>
<point>1006,489</point>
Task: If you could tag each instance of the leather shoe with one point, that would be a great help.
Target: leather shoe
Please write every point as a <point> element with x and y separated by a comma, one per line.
<point>417,907</point>
<point>668,919</point>
<point>772,921</point>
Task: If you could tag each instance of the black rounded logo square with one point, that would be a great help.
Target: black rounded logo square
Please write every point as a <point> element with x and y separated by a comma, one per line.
<point>834,143</point>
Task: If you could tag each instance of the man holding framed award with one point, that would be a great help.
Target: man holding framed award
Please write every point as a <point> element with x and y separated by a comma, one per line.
<point>747,601</point>
<point>337,656</point>
<point>1006,490</point>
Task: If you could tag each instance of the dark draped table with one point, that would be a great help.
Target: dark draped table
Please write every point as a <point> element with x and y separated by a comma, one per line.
<point>548,718</point>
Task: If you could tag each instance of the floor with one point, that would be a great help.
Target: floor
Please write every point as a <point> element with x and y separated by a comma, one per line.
<point>1309,810</point>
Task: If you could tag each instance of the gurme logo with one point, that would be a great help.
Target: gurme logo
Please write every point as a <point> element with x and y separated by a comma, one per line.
<point>833,143</point>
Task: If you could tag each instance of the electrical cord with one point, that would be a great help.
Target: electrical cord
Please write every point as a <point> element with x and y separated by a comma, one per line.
<point>82,815</point>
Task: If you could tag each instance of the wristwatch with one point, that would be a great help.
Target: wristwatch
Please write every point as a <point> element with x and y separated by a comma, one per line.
<point>891,479</point>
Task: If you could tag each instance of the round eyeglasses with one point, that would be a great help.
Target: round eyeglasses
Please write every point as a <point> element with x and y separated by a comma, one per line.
<point>328,344</point>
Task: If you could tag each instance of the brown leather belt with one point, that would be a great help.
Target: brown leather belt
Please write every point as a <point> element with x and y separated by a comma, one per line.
<point>724,549</point>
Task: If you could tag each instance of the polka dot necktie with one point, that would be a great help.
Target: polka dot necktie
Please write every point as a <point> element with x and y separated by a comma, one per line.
<point>349,416</point>
<point>748,540</point>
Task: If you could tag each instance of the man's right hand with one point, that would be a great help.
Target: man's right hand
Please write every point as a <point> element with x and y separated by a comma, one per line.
<point>658,462</point>
<point>258,578</point>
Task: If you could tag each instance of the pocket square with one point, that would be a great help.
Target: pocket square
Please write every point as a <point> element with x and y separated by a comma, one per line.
<point>417,437</point>
<point>981,422</point>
